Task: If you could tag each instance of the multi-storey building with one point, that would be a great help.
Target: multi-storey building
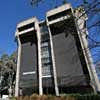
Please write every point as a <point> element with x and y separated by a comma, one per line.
<point>52,55</point>
<point>97,65</point>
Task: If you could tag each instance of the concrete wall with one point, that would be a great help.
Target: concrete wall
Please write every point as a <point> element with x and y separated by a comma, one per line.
<point>71,69</point>
<point>29,63</point>
<point>67,59</point>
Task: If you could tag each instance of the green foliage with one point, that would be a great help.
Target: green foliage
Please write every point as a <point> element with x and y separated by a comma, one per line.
<point>4,57</point>
<point>7,71</point>
<point>86,96</point>
<point>12,98</point>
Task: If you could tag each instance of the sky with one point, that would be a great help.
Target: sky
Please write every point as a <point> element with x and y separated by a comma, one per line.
<point>14,11</point>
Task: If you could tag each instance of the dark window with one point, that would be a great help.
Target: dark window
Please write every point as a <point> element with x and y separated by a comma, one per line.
<point>60,14</point>
<point>46,70</point>
<point>26,27</point>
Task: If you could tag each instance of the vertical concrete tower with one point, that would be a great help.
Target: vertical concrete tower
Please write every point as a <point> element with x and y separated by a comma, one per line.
<point>71,67</point>
<point>80,19</point>
<point>28,76</point>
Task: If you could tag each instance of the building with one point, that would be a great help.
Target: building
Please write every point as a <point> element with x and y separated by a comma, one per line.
<point>97,66</point>
<point>52,55</point>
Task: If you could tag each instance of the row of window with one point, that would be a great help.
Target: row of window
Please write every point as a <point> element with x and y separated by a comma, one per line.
<point>45,54</point>
<point>45,44</point>
<point>46,70</point>
<point>44,29</point>
<point>46,60</point>
<point>44,49</point>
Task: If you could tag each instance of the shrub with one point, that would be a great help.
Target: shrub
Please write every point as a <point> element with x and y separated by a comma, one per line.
<point>26,98</point>
<point>62,97</point>
<point>58,98</point>
<point>51,97</point>
<point>34,97</point>
<point>43,97</point>
<point>12,98</point>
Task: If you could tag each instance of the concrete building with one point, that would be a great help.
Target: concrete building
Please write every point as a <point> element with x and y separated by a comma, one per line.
<point>97,66</point>
<point>52,55</point>
<point>29,61</point>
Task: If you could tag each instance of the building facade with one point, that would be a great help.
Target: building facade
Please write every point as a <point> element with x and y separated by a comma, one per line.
<point>97,65</point>
<point>52,55</point>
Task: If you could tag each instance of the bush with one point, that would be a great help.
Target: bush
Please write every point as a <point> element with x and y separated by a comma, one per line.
<point>26,98</point>
<point>12,98</point>
<point>62,97</point>
<point>51,97</point>
<point>34,97</point>
<point>43,97</point>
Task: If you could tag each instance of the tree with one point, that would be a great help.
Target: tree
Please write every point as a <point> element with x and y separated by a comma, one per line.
<point>7,71</point>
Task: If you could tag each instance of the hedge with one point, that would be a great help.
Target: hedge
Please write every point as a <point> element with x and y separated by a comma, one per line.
<point>62,97</point>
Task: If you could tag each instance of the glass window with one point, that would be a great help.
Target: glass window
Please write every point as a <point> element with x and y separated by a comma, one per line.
<point>46,70</point>
<point>45,54</point>
<point>44,49</point>
<point>45,60</point>
<point>44,44</point>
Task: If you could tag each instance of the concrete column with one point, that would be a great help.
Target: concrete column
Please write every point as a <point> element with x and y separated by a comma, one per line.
<point>40,70</point>
<point>82,31</point>
<point>94,78</point>
<point>53,60</point>
<point>18,68</point>
<point>39,58</point>
<point>10,91</point>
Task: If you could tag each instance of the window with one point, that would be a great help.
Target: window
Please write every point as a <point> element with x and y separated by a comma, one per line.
<point>45,44</point>
<point>60,14</point>
<point>45,60</point>
<point>26,27</point>
<point>44,49</point>
<point>45,54</point>
<point>46,70</point>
